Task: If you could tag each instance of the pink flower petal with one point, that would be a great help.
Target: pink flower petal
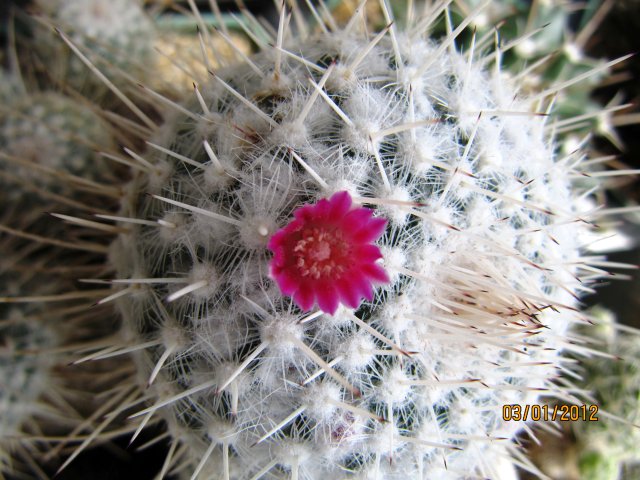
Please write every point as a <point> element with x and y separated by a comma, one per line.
<point>287,284</point>
<point>328,298</point>
<point>304,298</point>
<point>339,204</point>
<point>349,295</point>
<point>304,213</point>
<point>359,217</point>
<point>367,253</point>
<point>370,232</point>
<point>362,286</point>
<point>376,273</point>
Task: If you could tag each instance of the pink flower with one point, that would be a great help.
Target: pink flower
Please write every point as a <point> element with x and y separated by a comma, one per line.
<point>326,254</point>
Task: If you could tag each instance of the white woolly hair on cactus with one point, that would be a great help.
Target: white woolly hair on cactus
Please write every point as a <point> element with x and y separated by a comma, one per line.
<point>345,254</point>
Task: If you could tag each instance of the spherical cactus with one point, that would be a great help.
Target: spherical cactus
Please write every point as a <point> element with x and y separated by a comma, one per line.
<point>346,254</point>
<point>52,142</point>
<point>50,147</point>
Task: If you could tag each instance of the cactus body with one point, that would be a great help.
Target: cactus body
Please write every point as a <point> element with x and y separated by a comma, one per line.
<point>481,249</point>
<point>47,134</point>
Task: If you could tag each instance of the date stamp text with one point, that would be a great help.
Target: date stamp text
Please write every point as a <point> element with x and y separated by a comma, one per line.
<point>563,413</point>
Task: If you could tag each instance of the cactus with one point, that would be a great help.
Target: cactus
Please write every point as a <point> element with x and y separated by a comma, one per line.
<point>49,159</point>
<point>50,398</point>
<point>341,257</point>
<point>390,145</point>
<point>51,142</point>
<point>8,87</point>
<point>34,398</point>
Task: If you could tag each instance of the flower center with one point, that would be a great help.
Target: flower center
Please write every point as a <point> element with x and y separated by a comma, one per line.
<point>318,253</point>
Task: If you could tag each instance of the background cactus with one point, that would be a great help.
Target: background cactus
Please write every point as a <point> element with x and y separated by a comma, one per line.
<point>51,157</point>
<point>45,404</point>
<point>53,142</point>
<point>8,86</point>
